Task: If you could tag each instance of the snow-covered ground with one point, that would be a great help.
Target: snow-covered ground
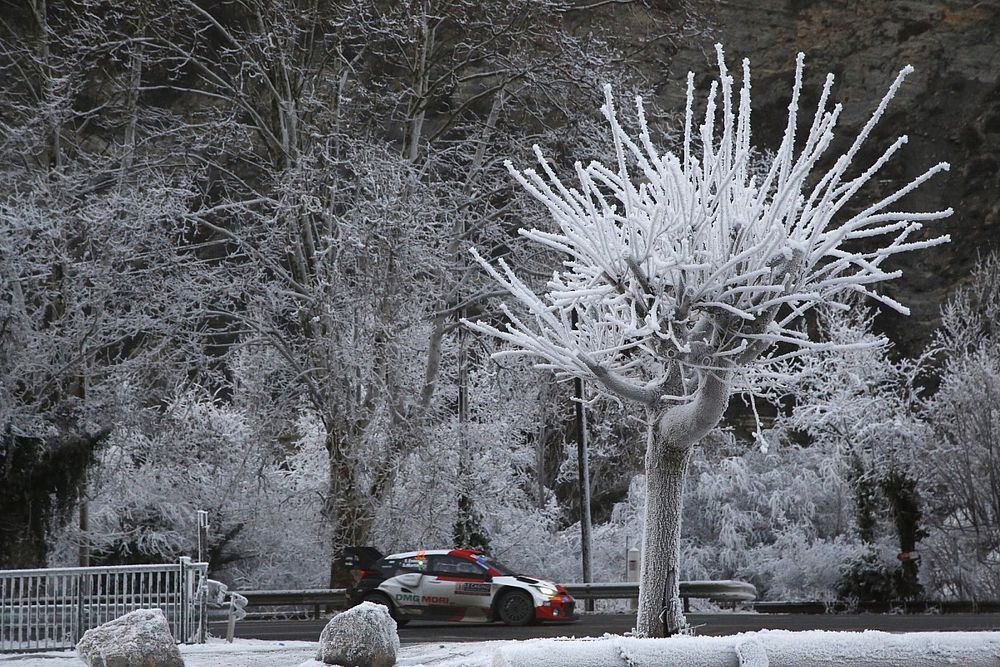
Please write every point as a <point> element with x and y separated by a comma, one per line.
<point>256,653</point>
<point>846,649</point>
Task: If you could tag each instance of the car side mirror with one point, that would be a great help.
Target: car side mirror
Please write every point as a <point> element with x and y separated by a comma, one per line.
<point>487,576</point>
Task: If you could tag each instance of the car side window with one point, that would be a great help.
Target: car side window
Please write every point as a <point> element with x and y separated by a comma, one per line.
<point>455,566</point>
<point>397,566</point>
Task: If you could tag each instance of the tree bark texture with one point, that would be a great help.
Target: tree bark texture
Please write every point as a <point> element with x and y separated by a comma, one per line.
<point>348,511</point>
<point>668,451</point>
<point>660,610</point>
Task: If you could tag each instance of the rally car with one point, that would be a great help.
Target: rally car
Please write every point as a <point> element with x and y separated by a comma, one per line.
<point>454,585</point>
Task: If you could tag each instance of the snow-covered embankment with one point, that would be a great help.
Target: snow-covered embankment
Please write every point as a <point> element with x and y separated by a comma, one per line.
<point>767,648</point>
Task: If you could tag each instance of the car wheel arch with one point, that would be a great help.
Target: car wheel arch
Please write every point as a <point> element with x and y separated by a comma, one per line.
<point>500,595</point>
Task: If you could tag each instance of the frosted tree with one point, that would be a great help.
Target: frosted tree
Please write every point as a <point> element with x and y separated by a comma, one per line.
<point>859,407</point>
<point>961,492</point>
<point>92,275</point>
<point>352,153</point>
<point>685,277</point>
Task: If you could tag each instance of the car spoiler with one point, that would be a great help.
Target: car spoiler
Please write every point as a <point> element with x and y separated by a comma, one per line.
<point>358,558</point>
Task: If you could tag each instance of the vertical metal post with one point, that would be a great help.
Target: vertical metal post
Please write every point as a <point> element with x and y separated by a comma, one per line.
<point>202,536</point>
<point>632,570</point>
<point>29,605</point>
<point>202,597</point>
<point>231,625</point>
<point>184,572</point>
<point>84,530</point>
<point>82,582</point>
<point>583,470</point>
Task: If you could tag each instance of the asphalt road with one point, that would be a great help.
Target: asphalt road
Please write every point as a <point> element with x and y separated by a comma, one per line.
<point>595,625</point>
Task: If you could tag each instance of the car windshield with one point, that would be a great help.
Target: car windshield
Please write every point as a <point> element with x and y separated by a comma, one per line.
<point>496,565</point>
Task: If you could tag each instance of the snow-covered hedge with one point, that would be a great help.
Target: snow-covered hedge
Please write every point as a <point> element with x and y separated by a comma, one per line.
<point>768,648</point>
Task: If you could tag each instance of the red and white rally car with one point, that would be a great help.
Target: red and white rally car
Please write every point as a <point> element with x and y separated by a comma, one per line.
<point>454,585</point>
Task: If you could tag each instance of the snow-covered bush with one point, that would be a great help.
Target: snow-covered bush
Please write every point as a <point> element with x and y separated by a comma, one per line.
<point>159,469</point>
<point>781,519</point>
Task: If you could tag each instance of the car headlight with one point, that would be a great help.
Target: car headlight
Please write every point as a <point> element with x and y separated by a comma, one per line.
<point>545,590</point>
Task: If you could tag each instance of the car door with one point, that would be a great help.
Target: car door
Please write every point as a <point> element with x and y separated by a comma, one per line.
<point>456,588</point>
<point>402,584</point>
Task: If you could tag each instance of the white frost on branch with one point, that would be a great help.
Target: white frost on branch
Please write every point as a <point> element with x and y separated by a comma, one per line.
<point>702,263</point>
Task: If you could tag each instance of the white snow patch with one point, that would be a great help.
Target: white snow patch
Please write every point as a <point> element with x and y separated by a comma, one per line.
<point>783,648</point>
<point>779,648</point>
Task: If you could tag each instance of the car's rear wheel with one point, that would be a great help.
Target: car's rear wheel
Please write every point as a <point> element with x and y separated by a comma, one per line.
<point>516,608</point>
<point>384,600</point>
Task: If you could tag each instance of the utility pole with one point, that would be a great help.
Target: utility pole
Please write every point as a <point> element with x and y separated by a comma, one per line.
<point>583,469</point>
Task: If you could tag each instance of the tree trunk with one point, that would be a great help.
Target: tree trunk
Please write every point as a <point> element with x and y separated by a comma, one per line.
<point>661,613</point>
<point>351,527</point>
<point>348,512</point>
<point>901,492</point>
<point>668,450</point>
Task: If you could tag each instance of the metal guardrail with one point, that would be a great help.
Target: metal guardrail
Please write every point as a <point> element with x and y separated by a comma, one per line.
<point>881,607</point>
<point>723,591</point>
<point>52,608</point>
<point>311,596</point>
<point>315,598</point>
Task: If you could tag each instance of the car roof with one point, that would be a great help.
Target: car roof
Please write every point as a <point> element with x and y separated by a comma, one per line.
<point>461,553</point>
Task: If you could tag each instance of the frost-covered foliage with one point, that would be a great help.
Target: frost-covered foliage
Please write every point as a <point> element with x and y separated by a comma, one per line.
<point>781,519</point>
<point>857,411</point>
<point>158,469</point>
<point>693,260</point>
<point>685,276</point>
<point>962,552</point>
<point>856,403</point>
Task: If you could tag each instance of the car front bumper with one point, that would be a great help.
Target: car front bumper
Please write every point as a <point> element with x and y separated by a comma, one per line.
<point>557,608</point>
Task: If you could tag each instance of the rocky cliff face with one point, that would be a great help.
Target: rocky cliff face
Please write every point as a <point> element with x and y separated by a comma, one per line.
<point>949,107</point>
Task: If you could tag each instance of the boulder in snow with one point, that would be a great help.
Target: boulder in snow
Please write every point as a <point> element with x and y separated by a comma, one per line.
<point>138,639</point>
<point>362,636</point>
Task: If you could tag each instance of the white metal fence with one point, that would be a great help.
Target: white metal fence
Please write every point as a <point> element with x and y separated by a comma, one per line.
<point>52,608</point>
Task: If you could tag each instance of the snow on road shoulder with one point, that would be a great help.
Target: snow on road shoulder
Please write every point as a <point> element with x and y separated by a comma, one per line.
<point>214,653</point>
<point>258,653</point>
<point>782,647</point>
<point>777,648</point>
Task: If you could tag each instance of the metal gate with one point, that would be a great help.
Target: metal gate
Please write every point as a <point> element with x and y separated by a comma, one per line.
<point>52,608</point>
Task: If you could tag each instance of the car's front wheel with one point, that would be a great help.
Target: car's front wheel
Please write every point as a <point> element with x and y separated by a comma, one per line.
<point>383,600</point>
<point>516,608</point>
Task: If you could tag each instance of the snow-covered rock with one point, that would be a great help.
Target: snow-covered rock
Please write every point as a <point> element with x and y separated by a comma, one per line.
<point>362,636</point>
<point>138,639</point>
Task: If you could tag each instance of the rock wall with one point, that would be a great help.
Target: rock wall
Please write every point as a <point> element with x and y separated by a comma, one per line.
<point>949,107</point>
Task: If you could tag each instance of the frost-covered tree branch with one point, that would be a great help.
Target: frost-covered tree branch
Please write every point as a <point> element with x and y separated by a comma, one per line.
<point>657,242</point>
<point>681,272</point>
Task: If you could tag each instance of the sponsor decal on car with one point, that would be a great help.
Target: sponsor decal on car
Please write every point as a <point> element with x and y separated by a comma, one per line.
<point>408,597</point>
<point>472,588</point>
<point>435,599</point>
